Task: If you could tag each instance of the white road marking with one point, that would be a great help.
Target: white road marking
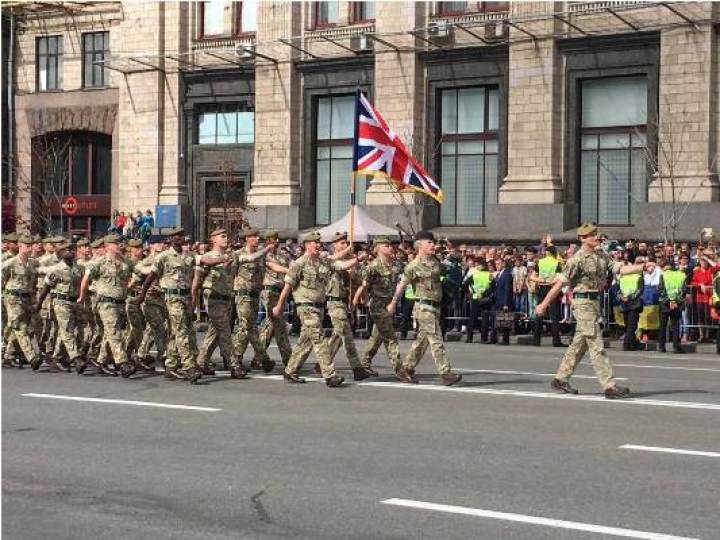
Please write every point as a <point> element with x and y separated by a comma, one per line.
<point>534,520</point>
<point>124,402</point>
<point>504,372</point>
<point>670,450</point>
<point>671,368</point>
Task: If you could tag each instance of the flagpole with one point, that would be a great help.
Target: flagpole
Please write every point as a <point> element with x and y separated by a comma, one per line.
<point>353,178</point>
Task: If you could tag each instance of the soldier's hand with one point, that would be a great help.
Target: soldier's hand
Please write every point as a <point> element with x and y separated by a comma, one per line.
<point>391,308</point>
<point>271,248</point>
<point>540,309</point>
<point>277,311</point>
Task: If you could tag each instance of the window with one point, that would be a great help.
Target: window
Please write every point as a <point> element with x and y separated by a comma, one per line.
<point>363,11</point>
<point>468,154</point>
<point>333,159</point>
<point>227,124</point>
<point>96,48</point>
<point>613,166</point>
<point>327,13</point>
<point>212,18</point>
<point>49,63</point>
<point>457,8</point>
<point>245,17</point>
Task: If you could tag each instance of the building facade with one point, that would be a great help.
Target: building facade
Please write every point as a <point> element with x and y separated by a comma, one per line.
<point>533,116</point>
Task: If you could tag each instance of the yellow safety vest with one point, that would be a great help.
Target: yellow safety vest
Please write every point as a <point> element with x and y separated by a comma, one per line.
<point>674,281</point>
<point>629,284</point>
<point>547,268</point>
<point>481,281</point>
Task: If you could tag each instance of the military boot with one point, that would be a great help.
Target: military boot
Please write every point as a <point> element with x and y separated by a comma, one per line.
<point>448,379</point>
<point>562,386</point>
<point>127,369</point>
<point>334,382</point>
<point>617,392</point>
<point>360,374</point>
<point>173,375</point>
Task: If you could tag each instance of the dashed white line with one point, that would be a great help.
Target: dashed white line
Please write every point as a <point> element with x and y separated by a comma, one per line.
<point>535,520</point>
<point>670,450</point>
<point>669,368</point>
<point>123,402</point>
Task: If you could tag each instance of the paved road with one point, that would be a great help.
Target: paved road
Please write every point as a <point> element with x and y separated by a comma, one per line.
<point>271,460</point>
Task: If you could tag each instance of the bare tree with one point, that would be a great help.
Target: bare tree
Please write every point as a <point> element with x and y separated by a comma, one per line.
<point>232,200</point>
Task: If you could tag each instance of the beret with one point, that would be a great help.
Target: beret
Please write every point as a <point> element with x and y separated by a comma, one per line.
<point>425,235</point>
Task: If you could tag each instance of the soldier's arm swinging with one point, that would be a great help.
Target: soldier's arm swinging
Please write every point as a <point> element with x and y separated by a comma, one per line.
<point>358,294</point>
<point>399,290</point>
<point>277,310</point>
<point>41,298</point>
<point>275,267</point>
<point>207,260</point>
<point>84,284</point>
<point>152,276</point>
<point>551,295</point>
<point>195,288</point>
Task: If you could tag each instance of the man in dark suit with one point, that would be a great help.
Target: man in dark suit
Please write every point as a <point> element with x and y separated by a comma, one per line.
<point>503,298</point>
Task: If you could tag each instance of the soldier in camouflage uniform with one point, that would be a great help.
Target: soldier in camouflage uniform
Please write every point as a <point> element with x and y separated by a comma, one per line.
<point>46,329</point>
<point>586,272</point>
<point>250,270</point>
<point>423,273</point>
<point>19,278</point>
<point>135,319</point>
<point>379,283</point>
<point>64,280</point>
<point>308,279</point>
<point>214,272</point>
<point>83,313</point>
<point>272,285</point>
<point>111,274</point>
<point>175,269</point>
<point>153,307</point>
<point>96,353</point>
<point>338,292</point>
<point>9,250</point>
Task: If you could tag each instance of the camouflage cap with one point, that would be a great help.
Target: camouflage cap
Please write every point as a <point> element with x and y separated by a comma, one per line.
<point>64,245</point>
<point>37,238</point>
<point>82,242</point>
<point>313,237</point>
<point>100,242</point>
<point>270,233</point>
<point>245,233</point>
<point>586,229</point>
<point>380,240</point>
<point>339,236</point>
<point>112,239</point>
<point>25,240</point>
<point>12,237</point>
<point>176,231</point>
<point>135,242</point>
<point>218,232</point>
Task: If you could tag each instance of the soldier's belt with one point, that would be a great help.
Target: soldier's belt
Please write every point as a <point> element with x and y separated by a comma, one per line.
<point>218,296</point>
<point>247,294</point>
<point>177,292</point>
<point>426,302</point>
<point>19,294</point>
<point>334,299</point>
<point>586,295</point>
<point>272,288</point>
<point>65,297</point>
<point>310,304</point>
<point>110,300</point>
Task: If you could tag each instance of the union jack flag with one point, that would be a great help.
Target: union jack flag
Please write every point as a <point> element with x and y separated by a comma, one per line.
<point>379,151</point>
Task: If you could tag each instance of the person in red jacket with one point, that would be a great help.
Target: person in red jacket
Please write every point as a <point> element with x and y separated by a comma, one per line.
<point>702,291</point>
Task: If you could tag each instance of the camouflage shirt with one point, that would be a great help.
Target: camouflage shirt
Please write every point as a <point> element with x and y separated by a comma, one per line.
<point>249,273</point>
<point>273,278</point>
<point>339,284</point>
<point>45,262</point>
<point>424,276</point>
<point>309,278</point>
<point>380,282</point>
<point>111,276</point>
<point>18,275</point>
<point>65,279</point>
<point>174,270</point>
<point>218,278</point>
<point>586,271</point>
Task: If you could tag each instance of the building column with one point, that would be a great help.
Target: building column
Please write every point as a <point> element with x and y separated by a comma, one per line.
<point>534,112</point>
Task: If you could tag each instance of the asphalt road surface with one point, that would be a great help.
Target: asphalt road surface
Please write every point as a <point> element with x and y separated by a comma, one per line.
<point>499,456</point>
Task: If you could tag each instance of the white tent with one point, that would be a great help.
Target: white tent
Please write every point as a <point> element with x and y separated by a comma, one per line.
<point>365,229</point>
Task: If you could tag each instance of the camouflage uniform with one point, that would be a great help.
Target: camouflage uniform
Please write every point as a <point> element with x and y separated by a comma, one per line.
<point>337,294</point>
<point>380,282</point>
<point>65,282</point>
<point>135,318</point>
<point>111,276</point>
<point>175,271</point>
<point>250,271</point>
<point>309,278</point>
<point>275,326</point>
<point>19,279</point>
<point>84,320</point>
<point>424,276</point>
<point>217,291</point>
<point>95,345</point>
<point>586,272</point>
<point>155,313</point>
<point>6,255</point>
<point>46,325</point>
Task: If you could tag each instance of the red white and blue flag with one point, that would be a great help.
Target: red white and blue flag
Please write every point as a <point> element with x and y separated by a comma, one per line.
<point>379,151</point>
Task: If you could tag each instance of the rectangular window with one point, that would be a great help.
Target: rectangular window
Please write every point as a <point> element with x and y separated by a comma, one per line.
<point>613,166</point>
<point>458,8</point>
<point>245,17</point>
<point>96,48</point>
<point>327,13</point>
<point>49,63</point>
<point>333,159</point>
<point>363,11</point>
<point>469,153</point>
<point>212,18</point>
<point>230,124</point>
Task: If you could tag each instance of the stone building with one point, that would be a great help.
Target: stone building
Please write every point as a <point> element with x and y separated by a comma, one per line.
<point>533,116</point>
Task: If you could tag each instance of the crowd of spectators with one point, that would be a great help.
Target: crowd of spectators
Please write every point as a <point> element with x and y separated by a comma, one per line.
<point>132,225</point>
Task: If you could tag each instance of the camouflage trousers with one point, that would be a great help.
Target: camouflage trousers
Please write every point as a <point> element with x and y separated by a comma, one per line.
<point>181,348</point>
<point>84,324</point>
<point>94,344</point>
<point>427,319</point>
<point>342,333</point>
<point>587,338</point>
<point>153,309</point>
<point>112,318</point>
<point>46,339</point>
<point>135,327</point>
<point>247,330</point>
<point>219,312</point>
<point>274,327</point>
<point>67,338</point>
<point>311,337</point>
<point>19,320</point>
<point>383,333</point>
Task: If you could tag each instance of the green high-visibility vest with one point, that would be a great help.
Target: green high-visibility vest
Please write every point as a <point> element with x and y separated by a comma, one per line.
<point>716,296</point>
<point>547,268</point>
<point>481,281</point>
<point>629,284</point>
<point>674,281</point>
<point>409,292</point>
